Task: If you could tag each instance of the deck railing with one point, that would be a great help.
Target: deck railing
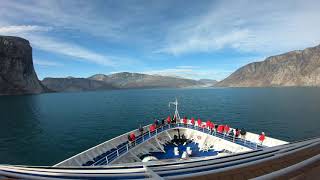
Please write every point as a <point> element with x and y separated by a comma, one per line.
<point>125,147</point>
<point>252,164</point>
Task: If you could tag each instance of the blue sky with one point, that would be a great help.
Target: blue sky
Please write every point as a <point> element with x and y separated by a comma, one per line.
<point>192,39</point>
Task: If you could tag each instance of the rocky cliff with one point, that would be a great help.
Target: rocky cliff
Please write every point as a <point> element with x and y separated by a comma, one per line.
<point>295,68</point>
<point>17,74</point>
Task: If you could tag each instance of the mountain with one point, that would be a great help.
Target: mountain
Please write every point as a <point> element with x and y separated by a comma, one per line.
<point>123,80</point>
<point>128,80</point>
<point>71,84</point>
<point>295,68</point>
<point>17,74</point>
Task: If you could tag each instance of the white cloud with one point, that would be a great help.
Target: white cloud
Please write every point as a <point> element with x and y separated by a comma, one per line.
<point>248,25</point>
<point>23,29</point>
<point>47,43</point>
<point>81,16</point>
<point>69,49</point>
<point>202,43</point>
<point>252,26</point>
<point>187,67</point>
<point>46,63</point>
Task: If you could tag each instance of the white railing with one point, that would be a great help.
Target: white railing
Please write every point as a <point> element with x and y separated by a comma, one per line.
<point>147,135</point>
<point>126,147</point>
<point>123,146</point>
<point>225,136</point>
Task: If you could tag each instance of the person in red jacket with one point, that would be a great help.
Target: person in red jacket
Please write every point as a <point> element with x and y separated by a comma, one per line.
<point>199,122</point>
<point>152,128</point>
<point>185,120</point>
<point>192,121</point>
<point>262,137</point>
<point>133,138</point>
<point>226,129</point>
<point>168,119</point>
<point>220,128</point>
<point>208,124</point>
<point>237,132</point>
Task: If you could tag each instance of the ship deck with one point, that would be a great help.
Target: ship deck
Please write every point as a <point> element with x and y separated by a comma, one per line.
<point>300,164</point>
<point>108,152</point>
<point>299,160</point>
<point>169,151</point>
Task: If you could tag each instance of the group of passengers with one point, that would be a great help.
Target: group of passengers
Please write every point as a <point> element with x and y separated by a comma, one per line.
<point>214,128</point>
<point>152,128</point>
<point>222,129</point>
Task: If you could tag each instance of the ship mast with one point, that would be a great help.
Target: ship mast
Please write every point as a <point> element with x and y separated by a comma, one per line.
<point>176,113</point>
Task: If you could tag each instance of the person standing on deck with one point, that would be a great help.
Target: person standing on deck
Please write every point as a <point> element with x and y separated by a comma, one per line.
<point>130,140</point>
<point>226,129</point>
<point>232,133</point>
<point>133,139</point>
<point>162,122</point>
<point>185,121</point>
<point>174,120</point>
<point>168,120</point>
<point>192,121</point>
<point>237,134</point>
<point>262,137</point>
<point>141,130</point>
<point>212,127</point>
<point>220,129</point>
<point>199,122</point>
<point>152,128</point>
<point>243,133</point>
<point>156,122</point>
<point>208,124</point>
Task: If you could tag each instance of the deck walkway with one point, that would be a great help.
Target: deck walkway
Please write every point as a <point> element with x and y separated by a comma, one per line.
<point>271,167</point>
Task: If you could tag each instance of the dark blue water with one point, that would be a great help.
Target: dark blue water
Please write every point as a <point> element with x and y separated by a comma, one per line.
<point>48,128</point>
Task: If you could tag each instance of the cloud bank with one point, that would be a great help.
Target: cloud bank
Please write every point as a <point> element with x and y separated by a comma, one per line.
<point>250,26</point>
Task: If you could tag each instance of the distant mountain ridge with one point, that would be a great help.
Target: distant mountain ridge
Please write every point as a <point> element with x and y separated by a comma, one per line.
<point>295,68</point>
<point>138,80</point>
<point>71,84</point>
<point>123,80</point>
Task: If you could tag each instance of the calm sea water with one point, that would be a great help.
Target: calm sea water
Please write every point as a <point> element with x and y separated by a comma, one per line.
<point>48,128</point>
